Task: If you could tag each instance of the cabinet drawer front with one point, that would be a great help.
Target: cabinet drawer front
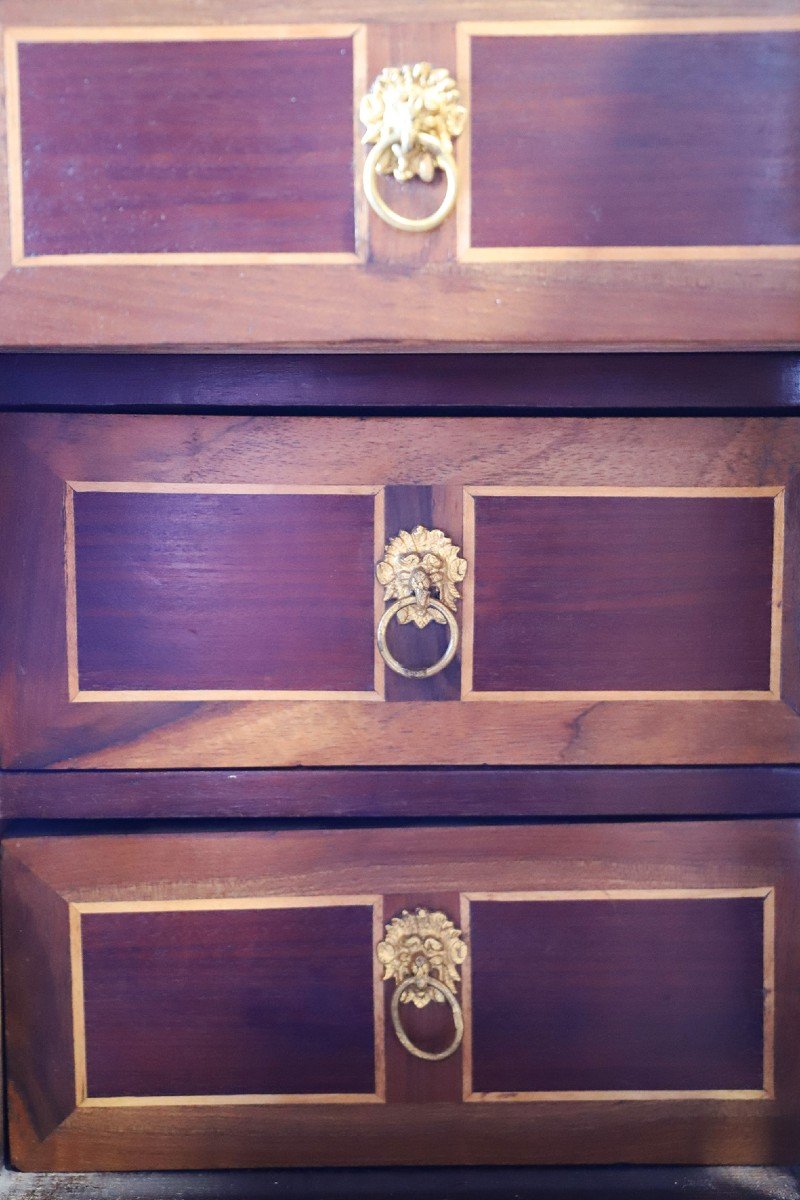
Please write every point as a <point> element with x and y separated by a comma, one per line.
<point>201,592</point>
<point>618,182</point>
<point>201,1000</point>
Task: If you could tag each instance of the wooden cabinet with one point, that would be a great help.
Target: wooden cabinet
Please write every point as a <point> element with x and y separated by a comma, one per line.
<point>216,1000</point>
<point>624,176</point>
<point>628,594</point>
<point>548,601</point>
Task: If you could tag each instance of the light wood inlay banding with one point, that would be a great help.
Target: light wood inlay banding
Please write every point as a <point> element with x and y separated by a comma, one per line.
<point>614,895</point>
<point>121,695</point>
<point>657,253</point>
<point>468,691</point>
<point>109,907</point>
<point>17,35</point>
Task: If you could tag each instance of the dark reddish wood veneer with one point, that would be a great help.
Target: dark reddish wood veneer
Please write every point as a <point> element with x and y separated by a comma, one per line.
<point>549,382</point>
<point>404,793</point>
<point>222,591</point>
<point>622,593</point>
<point>187,146</point>
<point>229,1002</point>
<point>651,139</point>
<point>424,1118</point>
<point>597,995</point>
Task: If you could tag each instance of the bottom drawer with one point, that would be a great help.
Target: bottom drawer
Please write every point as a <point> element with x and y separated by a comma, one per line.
<point>627,993</point>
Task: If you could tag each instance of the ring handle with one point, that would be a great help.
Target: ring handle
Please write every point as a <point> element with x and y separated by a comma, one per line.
<point>458,1018</point>
<point>417,672</point>
<point>422,952</point>
<point>444,160</point>
<point>412,114</point>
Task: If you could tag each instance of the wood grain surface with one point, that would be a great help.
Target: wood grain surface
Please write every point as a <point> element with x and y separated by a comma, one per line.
<point>720,458</point>
<point>662,994</point>
<point>370,793</point>
<point>401,291</point>
<point>453,382</point>
<point>243,1003</point>
<point>432,864</point>
<point>683,603</point>
<point>156,146</point>
<point>216,592</point>
<point>680,152</point>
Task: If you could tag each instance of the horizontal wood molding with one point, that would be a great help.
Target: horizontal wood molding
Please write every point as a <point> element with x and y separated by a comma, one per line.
<point>399,793</point>
<point>505,382</point>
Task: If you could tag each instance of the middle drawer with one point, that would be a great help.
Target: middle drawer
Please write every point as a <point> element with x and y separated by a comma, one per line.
<point>245,592</point>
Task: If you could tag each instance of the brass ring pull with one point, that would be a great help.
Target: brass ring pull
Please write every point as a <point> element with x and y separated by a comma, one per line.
<point>417,672</point>
<point>458,1019</point>
<point>420,571</point>
<point>442,159</point>
<point>422,952</point>
<point>412,114</point>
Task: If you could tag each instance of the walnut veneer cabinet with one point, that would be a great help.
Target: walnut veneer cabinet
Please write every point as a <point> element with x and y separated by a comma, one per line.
<point>399,737</point>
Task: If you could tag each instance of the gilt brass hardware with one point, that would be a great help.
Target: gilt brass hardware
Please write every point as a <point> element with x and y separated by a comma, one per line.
<point>420,571</point>
<point>412,114</point>
<point>422,952</point>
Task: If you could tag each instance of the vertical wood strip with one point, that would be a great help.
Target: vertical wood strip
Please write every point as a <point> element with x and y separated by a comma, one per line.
<point>468,608</point>
<point>778,555</point>
<point>769,994</point>
<point>71,593</point>
<point>466,999</point>
<point>393,44</point>
<point>14,149</point>
<point>360,85</point>
<point>790,650</point>
<point>78,1010</point>
<point>409,505</point>
<point>379,1001</point>
<point>379,542</point>
<point>463,215</point>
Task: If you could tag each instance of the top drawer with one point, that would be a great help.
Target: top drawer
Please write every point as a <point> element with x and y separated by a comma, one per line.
<point>621,181</point>
<point>201,591</point>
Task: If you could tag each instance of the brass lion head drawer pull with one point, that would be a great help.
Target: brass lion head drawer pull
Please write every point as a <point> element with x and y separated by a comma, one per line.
<point>412,114</point>
<point>420,571</point>
<point>422,952</point>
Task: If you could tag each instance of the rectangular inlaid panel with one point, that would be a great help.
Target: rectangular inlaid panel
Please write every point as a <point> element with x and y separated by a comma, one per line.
<point>626,593</point>
<point>635,134</point>
<point>217,1001</point>
<point>199,142</point>
<point>215,590</point>
<point>610,994</point>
